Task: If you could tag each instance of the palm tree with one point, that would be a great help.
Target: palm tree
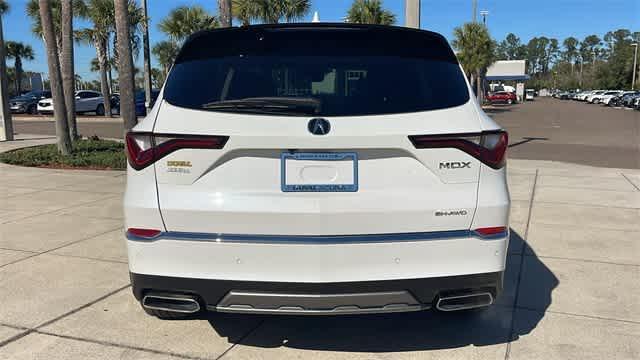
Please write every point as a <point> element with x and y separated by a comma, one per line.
<point>101,14</point>
<point>224,12</point>
<point>7,124</point>
<point>59,108</point>
<point>33,11</point>
<point>67,68</point>
<point>185,20</point>
<point>476,51</point>
<point>125,64</point>
<point>270,11</point>
<point>370,12</point>
<point>18,51</point>
<point>571,53</point>
<point>166,52</point>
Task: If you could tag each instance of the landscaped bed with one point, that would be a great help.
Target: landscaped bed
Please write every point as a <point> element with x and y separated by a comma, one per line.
<point>87,154</point>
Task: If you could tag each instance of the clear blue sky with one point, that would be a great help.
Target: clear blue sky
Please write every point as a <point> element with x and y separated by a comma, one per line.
<point>525,18</point>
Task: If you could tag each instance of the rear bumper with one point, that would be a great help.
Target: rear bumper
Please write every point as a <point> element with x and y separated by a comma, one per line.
<point>317,262</point>
<point>318,298</point>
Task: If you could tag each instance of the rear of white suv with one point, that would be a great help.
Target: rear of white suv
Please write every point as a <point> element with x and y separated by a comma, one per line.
<point>316,169</point>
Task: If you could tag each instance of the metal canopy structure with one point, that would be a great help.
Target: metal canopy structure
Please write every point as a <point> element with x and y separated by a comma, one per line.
<point>505,70</point>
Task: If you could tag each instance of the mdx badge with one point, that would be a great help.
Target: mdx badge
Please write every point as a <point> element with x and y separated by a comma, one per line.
<point>455,165</point>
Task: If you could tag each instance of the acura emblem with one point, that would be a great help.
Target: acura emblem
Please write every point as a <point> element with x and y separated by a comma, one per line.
<point>319,126</point>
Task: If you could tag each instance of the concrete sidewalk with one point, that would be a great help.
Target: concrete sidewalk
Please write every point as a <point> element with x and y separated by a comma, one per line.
<point>571,288</point>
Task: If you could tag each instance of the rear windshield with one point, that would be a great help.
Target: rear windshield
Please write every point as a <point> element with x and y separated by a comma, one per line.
<point>339,71</point>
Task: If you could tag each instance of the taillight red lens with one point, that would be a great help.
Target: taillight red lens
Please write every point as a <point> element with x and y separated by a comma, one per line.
<point>491,231</point>
<point>143,233</point>
<point>143,149</point>
<point>490,147</point>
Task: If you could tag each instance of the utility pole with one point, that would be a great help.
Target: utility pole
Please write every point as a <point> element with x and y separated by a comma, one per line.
<point>635,60</point>
<point>147,59</point>
<point>7,125</point>
<point>484,14</point>
<point>474,9</point>
<point>412,13</point>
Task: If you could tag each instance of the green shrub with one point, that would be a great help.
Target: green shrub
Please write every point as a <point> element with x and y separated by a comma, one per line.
<point>91,153</point>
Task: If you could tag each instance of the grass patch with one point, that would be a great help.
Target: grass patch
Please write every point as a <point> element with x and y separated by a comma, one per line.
<point>87,153</point>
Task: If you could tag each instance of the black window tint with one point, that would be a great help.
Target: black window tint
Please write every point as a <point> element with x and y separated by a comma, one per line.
<point>351,71</point>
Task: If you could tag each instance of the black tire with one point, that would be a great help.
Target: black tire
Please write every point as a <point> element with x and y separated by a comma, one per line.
<point>100,110</point>
<point>32,109</point>
<point>167,315</point>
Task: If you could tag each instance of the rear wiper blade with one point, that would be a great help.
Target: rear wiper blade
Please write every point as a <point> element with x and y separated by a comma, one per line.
<point>267,103</point>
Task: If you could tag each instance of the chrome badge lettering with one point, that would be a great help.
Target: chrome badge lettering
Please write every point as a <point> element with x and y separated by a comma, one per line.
<point>178,166</point>
<point>451,212</point>
<point>455,165</point>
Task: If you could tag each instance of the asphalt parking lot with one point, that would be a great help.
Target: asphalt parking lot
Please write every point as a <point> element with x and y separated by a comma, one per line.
<point>572,131</point>
<point>571,284</point>
<point>545,129</point>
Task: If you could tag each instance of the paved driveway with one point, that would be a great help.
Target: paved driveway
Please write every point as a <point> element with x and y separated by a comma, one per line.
<point>571,291</point>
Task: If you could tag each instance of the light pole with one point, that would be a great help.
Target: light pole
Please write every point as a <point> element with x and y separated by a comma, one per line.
<point>412,13</point>
<point>147,59</point>
<point>635,59</point>
<point>484,14</point>
<point>474,9</point>
<point>5,113</point>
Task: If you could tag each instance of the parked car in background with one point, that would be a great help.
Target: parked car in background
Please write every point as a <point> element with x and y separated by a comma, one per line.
<point>606,97</point>
<point>141,110</point>
<point>502,97</point>
<point>86,101</point>
<point>593,96</point>
<point>28,102</point>
<point>618,99</point>
<point>529,95</point>
<point>627,99</point>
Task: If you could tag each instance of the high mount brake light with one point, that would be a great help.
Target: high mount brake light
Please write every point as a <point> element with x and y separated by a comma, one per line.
<point>490,147</point>
<point>143,149</point>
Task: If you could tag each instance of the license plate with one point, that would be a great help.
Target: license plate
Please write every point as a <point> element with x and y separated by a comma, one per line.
<point>319,172</point>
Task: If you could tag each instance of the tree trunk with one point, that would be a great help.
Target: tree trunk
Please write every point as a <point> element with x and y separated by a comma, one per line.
<point>101,52</point>
<point>18,68</point>
<point>55,78</point>
<point>5,113</point>
<point>479,93</point>
<point>125,66</point>
<point>67,67</point>
<point>224,13</point>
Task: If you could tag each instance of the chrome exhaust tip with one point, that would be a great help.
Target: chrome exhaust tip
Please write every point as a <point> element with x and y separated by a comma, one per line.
<point>185,304</point>
<point>464,302</point>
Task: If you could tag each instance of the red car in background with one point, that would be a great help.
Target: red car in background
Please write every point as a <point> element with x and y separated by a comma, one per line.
<point>504,97</point>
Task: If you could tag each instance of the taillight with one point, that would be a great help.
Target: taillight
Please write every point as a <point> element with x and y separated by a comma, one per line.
<point>143,233</point>
<point>490,147</point>
<point>143,149</point>
<point>496,231</point>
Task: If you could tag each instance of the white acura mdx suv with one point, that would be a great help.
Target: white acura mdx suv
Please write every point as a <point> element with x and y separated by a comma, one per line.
<point>316,169</point>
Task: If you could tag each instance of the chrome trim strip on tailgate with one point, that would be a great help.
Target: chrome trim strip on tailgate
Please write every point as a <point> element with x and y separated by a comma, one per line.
<point>316,239</point>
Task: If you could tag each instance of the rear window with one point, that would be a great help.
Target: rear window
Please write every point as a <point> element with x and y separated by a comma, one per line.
<point>341,71</point>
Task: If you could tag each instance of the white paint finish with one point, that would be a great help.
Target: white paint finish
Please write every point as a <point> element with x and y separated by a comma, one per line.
<point>317,263</point>
<point>237,190</point>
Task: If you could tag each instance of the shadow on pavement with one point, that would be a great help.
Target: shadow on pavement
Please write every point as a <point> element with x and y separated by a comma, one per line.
<point>498,108</point>
<point>527,139</point>
<point>425,330</point>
